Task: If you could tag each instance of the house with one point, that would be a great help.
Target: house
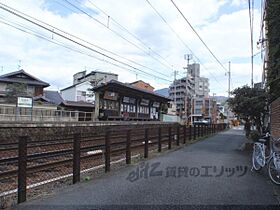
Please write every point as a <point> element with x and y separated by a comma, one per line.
<point>83,82</point>
<point>78,92</point>
<point>80,110</point>
<point>95,77</point>
<point>53,96</point>
<point>142,85</point>
<point>32,85</point>
<point>115,100</point>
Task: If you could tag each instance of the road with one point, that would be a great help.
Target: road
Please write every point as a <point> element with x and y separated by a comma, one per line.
<point>229,181</point>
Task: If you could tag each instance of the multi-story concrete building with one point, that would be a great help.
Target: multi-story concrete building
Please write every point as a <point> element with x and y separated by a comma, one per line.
<point>183,91</point>
<point>204,108</point>
<point>83,82</point>
<point>179,92</point>
<point>201,86</point>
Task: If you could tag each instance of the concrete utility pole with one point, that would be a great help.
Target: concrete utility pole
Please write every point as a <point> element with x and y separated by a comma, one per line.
<point>187,57</point>
<point>229,63</point>
<point>175,91</point>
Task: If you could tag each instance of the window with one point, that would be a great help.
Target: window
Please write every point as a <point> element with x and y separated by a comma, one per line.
<point>81,95</point>
<point>110,105</point>
<point>143,110</point>
<point>197,111</point>
<point>128,108</point>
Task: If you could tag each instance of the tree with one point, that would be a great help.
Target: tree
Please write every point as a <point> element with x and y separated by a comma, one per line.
<point>249,104</point>
<point>273,36</point>
<point>15,90</point>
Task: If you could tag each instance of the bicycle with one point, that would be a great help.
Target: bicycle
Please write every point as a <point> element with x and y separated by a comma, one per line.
<point>267,150</point>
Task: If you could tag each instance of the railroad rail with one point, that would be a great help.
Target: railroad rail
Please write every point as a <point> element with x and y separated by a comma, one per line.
<point>26,160</point>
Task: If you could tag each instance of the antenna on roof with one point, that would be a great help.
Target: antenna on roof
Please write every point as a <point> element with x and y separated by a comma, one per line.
<point>19,64</point>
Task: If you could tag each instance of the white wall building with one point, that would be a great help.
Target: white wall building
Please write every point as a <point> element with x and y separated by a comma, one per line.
<point>78,92</point>
<point>95,77</point>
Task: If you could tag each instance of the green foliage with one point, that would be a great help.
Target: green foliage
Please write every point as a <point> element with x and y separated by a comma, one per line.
<point>15,90</point>
<point>249,103</point>
<point>273,36</point>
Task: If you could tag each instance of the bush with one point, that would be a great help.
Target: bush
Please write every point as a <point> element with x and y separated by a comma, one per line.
<point>254,135</point>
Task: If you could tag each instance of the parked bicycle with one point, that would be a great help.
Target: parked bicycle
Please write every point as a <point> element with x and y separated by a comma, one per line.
<point>267,150</point>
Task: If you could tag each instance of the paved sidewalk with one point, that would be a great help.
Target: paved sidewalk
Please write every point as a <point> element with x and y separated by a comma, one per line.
<point>218,174</point>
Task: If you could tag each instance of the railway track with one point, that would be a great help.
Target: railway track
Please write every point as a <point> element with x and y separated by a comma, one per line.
<point>50,157</point>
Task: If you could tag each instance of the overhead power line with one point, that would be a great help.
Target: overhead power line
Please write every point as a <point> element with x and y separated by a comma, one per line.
<point>76,42</point>
<point>127,31</point>
<point>32,32</point>
<point>84,46</point>
<point>116,33</point>
<point>215,57</point>
<point>87,42</point>
<point>184,43</point>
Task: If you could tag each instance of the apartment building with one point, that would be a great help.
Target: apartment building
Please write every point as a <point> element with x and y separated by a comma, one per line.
<point>180,91</point>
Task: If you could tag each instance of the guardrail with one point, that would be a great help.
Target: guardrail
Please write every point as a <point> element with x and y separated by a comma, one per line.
<point>31,161</point>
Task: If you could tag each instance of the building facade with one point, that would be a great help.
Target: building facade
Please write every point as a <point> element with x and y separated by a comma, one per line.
<point>78,92</point>
<point>180,91</point>
<point>187,90</point>
<point>30,85</point>
<point>94,77</point>
<point>119,101</point>
<point>142,85</point>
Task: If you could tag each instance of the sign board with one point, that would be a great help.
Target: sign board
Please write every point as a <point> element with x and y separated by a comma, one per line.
<point>144,102</point>
<point>129,100</point>
<point>24,102</point>
<point>110,95</point>
<point>156,104</point>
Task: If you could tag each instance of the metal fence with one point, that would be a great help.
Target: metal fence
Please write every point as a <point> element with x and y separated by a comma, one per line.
<point>27,162</point>
<point>15,114</point>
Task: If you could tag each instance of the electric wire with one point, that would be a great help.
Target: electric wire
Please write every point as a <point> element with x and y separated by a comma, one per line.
<point>80,44</point>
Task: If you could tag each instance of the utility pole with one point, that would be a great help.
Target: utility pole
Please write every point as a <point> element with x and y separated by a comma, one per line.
<point>187,57</point>
<point>175,91</point>
<point>229,63</point>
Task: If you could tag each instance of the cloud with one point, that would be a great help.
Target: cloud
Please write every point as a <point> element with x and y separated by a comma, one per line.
<point>226,34</point>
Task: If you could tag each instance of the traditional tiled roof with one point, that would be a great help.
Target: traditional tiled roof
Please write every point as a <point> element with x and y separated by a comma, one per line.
<point>128,86</point>
<point>22,77</point>
<point>77,104</point>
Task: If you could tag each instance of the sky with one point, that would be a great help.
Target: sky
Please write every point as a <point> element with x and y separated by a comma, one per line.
<point>129,38</point>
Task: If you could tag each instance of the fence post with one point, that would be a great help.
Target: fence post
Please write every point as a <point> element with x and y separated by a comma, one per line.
<point>194,132</point>
<point>128,147</point>
<point>185,134</point>
<point>169,137</point>
<point>76,157</point>
<point>190,132</point>
<point>159,139</point>
<point>178,136</point>
<point>107,150</point>
<point>202,130</point>
<point>146,146</point>
<point>22,165</point>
